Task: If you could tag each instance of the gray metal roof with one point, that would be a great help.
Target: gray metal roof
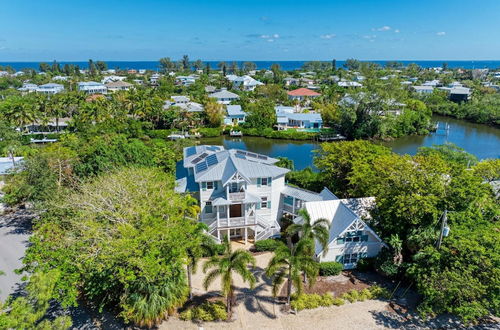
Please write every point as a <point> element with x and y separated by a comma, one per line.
<point>235,110</point>
<point>224,94</point>
<point>302,194</point>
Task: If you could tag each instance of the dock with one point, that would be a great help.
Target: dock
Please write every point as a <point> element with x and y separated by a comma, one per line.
<point>331,137</point>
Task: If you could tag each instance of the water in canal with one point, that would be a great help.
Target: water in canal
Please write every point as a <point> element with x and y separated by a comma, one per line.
<point>480,140</point>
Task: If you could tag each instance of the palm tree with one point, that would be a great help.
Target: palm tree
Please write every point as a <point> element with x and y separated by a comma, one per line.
<point>224,266</point>
<point>318,230</point>
<point>288,263</point>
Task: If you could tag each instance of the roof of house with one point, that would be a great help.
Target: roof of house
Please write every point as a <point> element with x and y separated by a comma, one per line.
<point>302,194</point>
<point>180,98</point>
<point>224,94</point>
<point>303,92</point>
<point>119,83</point>
<point>235,110</point>
<point>309,116</point>
<point>51,85</point>
<point>214,163</point>
<point>90,84</point>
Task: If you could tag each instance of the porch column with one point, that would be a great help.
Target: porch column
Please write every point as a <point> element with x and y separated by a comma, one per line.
<point>244,206</point>
<point>218,234</point>
<point>228,221</point>
<point>293,205</point>
<point>246,236</point>
<point>218,218</point>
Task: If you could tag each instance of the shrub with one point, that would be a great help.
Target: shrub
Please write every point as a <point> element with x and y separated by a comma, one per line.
<point>159,133</point>
<point>209,311</point>
<point>338,301</point>
<point>267,245</point>
<point>365,264</point>
<point>311,301</point>
<point>351,296</point>
<point>379,292</point>
<point>210,131</point>
<point>330,268</point>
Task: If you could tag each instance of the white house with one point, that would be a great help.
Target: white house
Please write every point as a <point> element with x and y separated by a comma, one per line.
<point>308,120</point>
<point>423,89</point>
<point>119,85</point>
<point>112,78</point>
<point>239,191</point>
<point>92,87</point>
<point>28,88</point>
<point>224,96</point>
<point>245,83</point>
<point>235,115</point>
<point>50,89</point>
<point>350,239</point>
<point>186,80</point>
<point>243,195</point>
<point>183,102</point>
<point>347,84</point>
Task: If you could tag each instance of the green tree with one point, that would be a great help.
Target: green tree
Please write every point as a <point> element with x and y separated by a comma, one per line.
<point>261,114</point>
<point>214,112</point>
<point>224,267</point>
<point>319,230</point>
<point>288,263</point>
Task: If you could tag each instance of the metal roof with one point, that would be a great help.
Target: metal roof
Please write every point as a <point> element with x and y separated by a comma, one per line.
<point>302,194</point>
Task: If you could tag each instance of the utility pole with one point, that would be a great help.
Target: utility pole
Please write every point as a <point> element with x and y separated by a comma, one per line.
<point>443,224</point>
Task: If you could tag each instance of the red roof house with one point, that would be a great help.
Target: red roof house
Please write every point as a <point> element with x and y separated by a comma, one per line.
<point>302,93</point>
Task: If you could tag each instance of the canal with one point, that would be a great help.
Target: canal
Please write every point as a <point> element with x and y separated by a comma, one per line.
<point>480,140</point>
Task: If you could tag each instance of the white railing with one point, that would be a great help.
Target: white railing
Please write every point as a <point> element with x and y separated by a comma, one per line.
<point>237,196</point>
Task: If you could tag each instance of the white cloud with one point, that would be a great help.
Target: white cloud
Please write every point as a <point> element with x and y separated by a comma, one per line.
<point>328,36</point>
<point>384,28</point>
<point>397,30</point>
<point>270,36</point>
<point>441,33</point>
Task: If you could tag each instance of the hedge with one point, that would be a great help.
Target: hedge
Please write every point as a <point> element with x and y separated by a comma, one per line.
<point>209,311</point>
<point>290,134</point>
<point>267,245</point>
<point>330,268</point>
<point>210,131</point>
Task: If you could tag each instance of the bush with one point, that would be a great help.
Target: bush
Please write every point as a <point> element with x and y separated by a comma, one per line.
<point>209,311</point>
<point>159,133</point>
<point>365,264</point>
<point>330,268</point>
<point>351,296</point>
<point>338,301</point>
<point>379,292</point>
<point>311,301</point>
<point>210,131</point>
<point>267,245</point>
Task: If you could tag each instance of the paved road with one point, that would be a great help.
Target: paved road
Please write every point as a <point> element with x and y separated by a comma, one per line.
<point>14,235</point>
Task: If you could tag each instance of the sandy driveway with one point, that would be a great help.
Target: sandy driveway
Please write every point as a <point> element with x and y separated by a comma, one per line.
<point>257,309</point>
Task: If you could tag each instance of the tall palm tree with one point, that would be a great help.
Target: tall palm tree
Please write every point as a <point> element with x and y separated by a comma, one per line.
<point>205,246</point>
<point>318,230</point>
<point>224,267</point>
<point>288,263</point>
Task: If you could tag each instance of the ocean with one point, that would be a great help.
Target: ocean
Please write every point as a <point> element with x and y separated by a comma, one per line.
<point>285,65</point>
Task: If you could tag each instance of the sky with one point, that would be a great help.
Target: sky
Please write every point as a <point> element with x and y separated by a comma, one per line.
<point>76,30</point>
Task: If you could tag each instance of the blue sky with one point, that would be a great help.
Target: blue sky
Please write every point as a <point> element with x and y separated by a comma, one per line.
<point>249,30</point>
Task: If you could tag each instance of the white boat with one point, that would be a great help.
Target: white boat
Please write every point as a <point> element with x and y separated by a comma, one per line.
<point>235,133</point>
<point>176,137</point>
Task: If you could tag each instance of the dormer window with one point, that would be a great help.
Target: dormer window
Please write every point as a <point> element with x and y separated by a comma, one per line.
<point>209,185</point>
<point>264,181</point>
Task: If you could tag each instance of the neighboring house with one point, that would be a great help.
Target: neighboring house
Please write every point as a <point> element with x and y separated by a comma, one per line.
<point>347,84</point>
<point>433,83</point>
<point>238,191</point>
<point>51,126</point>
<point>183,102</point>
<point>92,87</point>
<point>210,89</point>
<point>423,89</point>
<point>4,74</point>
<point>60,78</point>
<point>50,89</point>
<point>28,88</point>
<point>283,109</point>
<point>186,80</point>
<point>350,239</point>
<point>302,94</point>
<point>235,115</point>
<point>289,81</point>
<point>155,77</point>
<point>8,164</point>
<point>244,83</point>
<point>112,78</point>
<point>308,120</point>
<point>457,94</point>
<point>119,85</point>
<point>224,96</point>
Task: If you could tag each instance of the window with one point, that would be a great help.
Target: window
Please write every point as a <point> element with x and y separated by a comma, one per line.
<point>265,204</point>
<point>234,187</point>
<point>210,185</point>
<point>264,181</point>
<point>351,258</point>
<point>288,200</point>
<point>208,207</point>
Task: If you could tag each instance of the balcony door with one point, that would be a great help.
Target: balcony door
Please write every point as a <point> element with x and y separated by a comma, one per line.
<point>235,210</point>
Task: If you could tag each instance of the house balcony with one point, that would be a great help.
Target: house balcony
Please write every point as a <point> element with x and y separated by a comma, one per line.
<point>236,222</point>
<point>236,196</point>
